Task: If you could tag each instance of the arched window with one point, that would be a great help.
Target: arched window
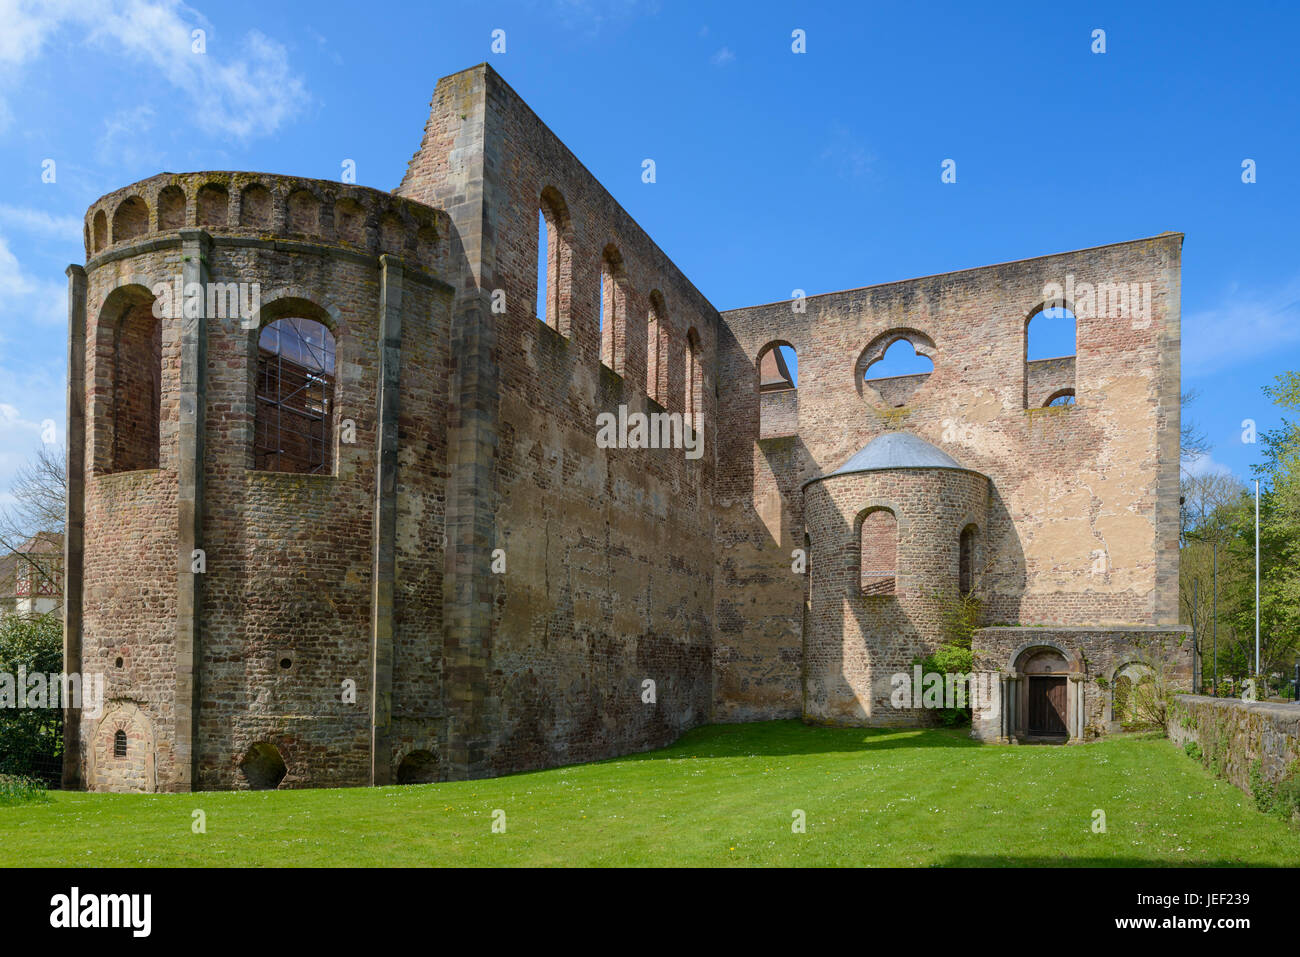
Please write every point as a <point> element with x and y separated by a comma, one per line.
<point>613,310</point>
<point>1050,356</point>
<point>878,540</point>
<point>295,394</point>
<point>966,560</point>
<point>553,261</point>
<point>656,343</point>
<point>895,366</point>
<point>137,388</point>
<point>119,743</point>
<point>778,400</point>
<point>898,373</point>
<point>694,399</point>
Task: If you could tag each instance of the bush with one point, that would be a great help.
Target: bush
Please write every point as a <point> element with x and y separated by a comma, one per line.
<point>17,789</point>
<point>1193,750</point>
<point>31,739</point>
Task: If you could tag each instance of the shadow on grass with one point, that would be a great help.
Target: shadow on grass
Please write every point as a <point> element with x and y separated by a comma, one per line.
<point>788,738</point>
<point>1011,860</point>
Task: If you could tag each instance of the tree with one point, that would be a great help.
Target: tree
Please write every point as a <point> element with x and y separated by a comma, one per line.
<point>1192,443</point>
<point>1279,543</point>
<point>40,494</point>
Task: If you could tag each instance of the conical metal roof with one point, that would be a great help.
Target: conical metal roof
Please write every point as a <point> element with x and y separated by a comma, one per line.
<point>897,450</point>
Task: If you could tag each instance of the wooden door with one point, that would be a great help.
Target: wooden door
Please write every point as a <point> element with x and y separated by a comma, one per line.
<point>1047,706</point>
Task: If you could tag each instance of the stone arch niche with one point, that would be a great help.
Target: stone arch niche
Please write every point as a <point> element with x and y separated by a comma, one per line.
<point>418,767</point>
<point>860,638</point>
<point>109,769</point>
<point>1045,694</point>
<point>262,767</point>
<point>1125,685</point>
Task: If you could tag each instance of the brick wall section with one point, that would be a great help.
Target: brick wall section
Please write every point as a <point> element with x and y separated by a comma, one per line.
<point>1045,377</point>
<point>608,552</point>
<point>285,604</point>
<point>137,367</point>
<point>1233,735</point>
<point>779,413</point>
<point>1083,519</point>
<point>855,642</point>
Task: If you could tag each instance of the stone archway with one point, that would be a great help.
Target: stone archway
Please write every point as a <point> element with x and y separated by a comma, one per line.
<point>1128,684</point>
<point>263,767</point>
<point>1046,694</point>
<point>418,767</point>
<point>121,752</point>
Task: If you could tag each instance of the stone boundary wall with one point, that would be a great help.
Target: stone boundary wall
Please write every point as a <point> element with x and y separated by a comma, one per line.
<point>1234,734</point>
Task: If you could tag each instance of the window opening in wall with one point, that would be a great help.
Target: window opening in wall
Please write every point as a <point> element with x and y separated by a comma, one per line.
<point>295,388</point>
<point>879,546</point>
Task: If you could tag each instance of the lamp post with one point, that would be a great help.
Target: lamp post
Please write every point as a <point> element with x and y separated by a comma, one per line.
<point>1214,546</point>
<point>1257,577</point>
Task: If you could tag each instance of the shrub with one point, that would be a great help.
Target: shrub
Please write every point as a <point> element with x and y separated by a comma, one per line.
<point>31,739</point>
<point>17,789</point>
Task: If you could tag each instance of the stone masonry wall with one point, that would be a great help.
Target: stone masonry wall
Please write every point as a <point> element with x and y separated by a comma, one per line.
<point>854,641</point>
<point>1083,519</point>
<point>1096,653</point>
<point>285,600</point>
<point>608,570</point>
<point>1234,735</point>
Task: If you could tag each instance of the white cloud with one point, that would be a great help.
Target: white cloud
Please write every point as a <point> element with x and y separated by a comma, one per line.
<point>590,16</point>
<point>24,298</point>
<point>30,395</point>
<point>1204,464</point>
<point>237,91</point>
<point>1244,325</point>
<point>41,222</point>
<point>849,158</point>
<point>121,143</point>
<point>722,57</point>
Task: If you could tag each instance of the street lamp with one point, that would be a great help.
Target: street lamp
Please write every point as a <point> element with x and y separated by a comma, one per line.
<point>1214,545</point>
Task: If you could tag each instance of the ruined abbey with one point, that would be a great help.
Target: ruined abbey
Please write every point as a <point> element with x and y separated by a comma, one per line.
<point>361,494</point>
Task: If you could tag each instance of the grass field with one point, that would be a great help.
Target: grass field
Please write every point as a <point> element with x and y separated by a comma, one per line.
<point>722,795</point>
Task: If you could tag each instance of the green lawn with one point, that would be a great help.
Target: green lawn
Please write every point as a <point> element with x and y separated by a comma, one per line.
<point>722,795</point>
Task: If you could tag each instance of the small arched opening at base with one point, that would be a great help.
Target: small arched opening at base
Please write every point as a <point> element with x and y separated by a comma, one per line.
<point>263,768</point>
<point>418,767</point>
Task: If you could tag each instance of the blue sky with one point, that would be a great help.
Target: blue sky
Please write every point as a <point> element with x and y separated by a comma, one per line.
<point>775,171</point>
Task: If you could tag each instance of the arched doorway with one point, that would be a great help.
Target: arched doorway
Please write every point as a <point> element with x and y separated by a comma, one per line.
<point>1045,691</point>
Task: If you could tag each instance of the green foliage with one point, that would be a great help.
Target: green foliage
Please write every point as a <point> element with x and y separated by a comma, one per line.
<point>1260,789</point>
<point>959,617</point>
<point>1193,750</point>
<point>31,739</point>
<point>16,789</point>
